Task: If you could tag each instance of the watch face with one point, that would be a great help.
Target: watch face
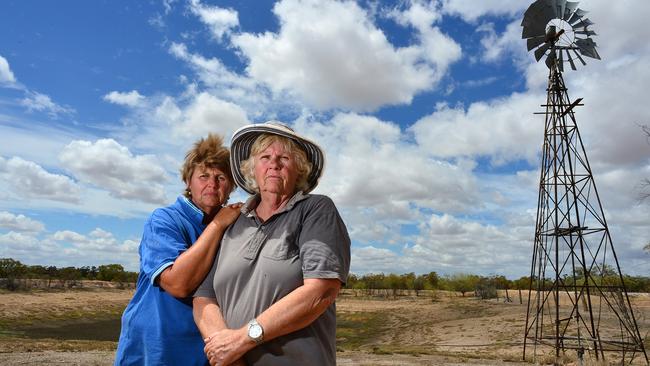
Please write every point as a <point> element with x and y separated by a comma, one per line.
<point>255,331</point>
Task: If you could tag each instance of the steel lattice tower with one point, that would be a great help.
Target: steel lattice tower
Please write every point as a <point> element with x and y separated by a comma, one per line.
<point>577,296</point>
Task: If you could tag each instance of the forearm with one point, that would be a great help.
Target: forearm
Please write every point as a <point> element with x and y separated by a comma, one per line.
<point>207,316</point>
<point>299,308</point>
<point>191,267</point>
<point>294,311</point>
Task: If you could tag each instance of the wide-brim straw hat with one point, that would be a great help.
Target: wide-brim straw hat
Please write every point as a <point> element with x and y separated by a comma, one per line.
<point>243,139</point>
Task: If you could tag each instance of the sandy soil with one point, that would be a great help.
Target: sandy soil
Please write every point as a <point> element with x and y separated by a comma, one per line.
<point>445,330</point>
<point>41,304</point>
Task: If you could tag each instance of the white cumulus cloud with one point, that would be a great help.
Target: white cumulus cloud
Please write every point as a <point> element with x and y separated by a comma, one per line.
<point>503,129</point>
<point>130,99</point>
<point>6,75</point>
<point>29,180</point>
<point>35,101</point>
<point>70,248</point>
<point>20,223</point>
<point>309,59</point>
<point>219,20</point>
<point>471,10</point>
<point>108,165</point>
<point>206,113</point>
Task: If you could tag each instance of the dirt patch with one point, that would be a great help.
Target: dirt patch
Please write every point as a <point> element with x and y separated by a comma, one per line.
<point>436,329</point>
<point>30,307</point>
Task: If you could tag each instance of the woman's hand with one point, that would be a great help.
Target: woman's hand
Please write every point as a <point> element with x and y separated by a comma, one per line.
<point>227,346</point>
<point>191,267</point>
<point>227,215</point>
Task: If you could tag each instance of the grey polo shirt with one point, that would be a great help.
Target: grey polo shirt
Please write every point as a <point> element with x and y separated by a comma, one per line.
<point>258,263</point>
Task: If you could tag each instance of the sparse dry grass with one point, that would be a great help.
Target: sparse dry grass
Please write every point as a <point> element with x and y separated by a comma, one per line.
<point>441,330</point>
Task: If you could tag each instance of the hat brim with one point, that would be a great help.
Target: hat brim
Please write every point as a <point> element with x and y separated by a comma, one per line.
<point>243,139</point>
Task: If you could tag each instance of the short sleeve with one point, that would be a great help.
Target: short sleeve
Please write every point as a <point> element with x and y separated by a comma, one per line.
<point>163,241</point>
<point>206,289</point>
<point>324,242</point>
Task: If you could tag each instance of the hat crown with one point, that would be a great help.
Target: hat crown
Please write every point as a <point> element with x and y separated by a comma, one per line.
<point>278,124</point>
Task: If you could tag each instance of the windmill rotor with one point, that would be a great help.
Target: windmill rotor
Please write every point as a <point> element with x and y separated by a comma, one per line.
<point>559,31</point>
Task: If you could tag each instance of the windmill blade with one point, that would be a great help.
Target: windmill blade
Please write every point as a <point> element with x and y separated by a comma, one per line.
<point>560,6</point>
<point>538,12</point>
<point>596,54</point>
<point>580,58</point>
<point>586,32</point>
<point>582,23</point>
<point>587,47</point>
<point>548,13</point>
<point>577,15</point>
<point>535,19</point>
<point>532,13</point>
<point>535,41</point>
<point>551,59</point>
<point>539,53</point>
<point>547,39</point>
<point>570,7</point>
<point>573,65</point>
<point>552,4</point>
<point>535,30</point>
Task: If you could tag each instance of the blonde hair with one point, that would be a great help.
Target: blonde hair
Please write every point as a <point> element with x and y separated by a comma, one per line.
<point>207,152</point>
<point>262,142</point>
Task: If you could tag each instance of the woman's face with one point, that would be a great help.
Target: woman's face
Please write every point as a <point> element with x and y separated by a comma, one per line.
<point>276,170</point>
<point>210,188</point>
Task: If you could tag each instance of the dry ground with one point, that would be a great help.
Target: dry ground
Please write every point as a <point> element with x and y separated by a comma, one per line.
<point>445,329</point>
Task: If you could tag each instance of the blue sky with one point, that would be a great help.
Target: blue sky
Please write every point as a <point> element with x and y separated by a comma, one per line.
<point>424,109</point>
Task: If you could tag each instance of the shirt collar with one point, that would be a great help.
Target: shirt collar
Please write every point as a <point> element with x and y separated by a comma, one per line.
<point>190,208</point>
<point>248,208</point>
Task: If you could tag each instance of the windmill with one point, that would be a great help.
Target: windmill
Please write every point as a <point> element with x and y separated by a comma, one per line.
<point>577,297</point>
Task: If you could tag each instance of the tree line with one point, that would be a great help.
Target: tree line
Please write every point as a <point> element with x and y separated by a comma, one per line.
<point>481,286</point>
<point>14,273</point>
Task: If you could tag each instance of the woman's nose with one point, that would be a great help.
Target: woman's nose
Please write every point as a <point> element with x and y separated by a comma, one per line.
<point>274,162</point>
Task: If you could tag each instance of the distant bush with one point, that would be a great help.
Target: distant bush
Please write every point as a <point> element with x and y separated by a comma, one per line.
<point>14,275</point>
<point>393,285</point>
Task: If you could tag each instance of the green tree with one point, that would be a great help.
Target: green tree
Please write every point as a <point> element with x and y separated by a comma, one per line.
<point>69,276</point>
<point>486,288</point>
<point>408,281</point>
<point>419,284</point>
<point>89,273</point>
<point>522,283</point>
<point>463,282</point>
<point>12,270</point>
<point>394,283</point>
<point>110,272</point>
<point>432,280</point>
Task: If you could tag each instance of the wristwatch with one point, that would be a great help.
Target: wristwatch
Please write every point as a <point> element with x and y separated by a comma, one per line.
<point>255,331</point>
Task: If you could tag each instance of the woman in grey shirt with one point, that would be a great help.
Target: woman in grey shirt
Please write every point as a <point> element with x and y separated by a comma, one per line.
<point>269,299</point>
